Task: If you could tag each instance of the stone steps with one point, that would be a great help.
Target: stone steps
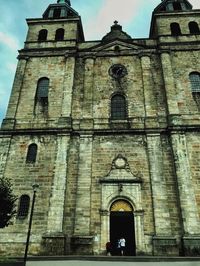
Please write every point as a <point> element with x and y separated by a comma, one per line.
<point>114,258</point>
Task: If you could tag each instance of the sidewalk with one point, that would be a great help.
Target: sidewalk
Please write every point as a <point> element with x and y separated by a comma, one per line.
<point>109,263</point>
<point>112,261</point>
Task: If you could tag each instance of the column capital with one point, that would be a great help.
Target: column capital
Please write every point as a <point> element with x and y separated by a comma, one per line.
<point>145,54</point>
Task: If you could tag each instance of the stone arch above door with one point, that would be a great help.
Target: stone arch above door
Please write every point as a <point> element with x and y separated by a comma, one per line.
<point>121,205</point>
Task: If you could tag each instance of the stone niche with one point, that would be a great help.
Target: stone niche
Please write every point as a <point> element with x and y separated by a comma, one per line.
<point>82,245</point>
<point>191,246</point>
<point>55,245</point>
<point>165,246</point>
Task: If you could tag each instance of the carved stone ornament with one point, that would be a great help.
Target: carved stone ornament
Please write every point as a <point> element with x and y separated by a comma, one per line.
<point>121,172</point>
<point>120,162</point>
<point>118,71</point>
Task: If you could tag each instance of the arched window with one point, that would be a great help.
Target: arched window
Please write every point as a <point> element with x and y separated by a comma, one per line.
<point>59,34</point>
<point>23,209</point>
<point>42,36</point>
<point>175,29</point>
<point>31,153</point>
<point>193,27</point>
<point>57,13</point>
<point>177,6</point>
<point>195,86</point>
<point>42,91</point>
<point>118,107</point>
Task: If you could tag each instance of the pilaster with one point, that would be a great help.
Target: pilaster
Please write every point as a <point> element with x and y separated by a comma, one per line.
<point>87,111</point>
<point>56,208</point>
<point>158,184</point>
<point>9,121</point>
<point>82,240</point>
<point>188,203</point>
<point>150,104</point>
<point>169,83</point>
<point>68,83</point>
<point>83,203</point>
<point>4,151</point>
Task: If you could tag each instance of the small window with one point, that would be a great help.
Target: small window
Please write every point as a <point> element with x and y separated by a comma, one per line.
<point>59,35</point>
<point>42,36</point>
<point>118,107</point>
<point>195,86</point>
<point>31,154</point>
<point>24,204</point>
<point>57,13</point>
<point>177,6</point>
<point>193,27</point>
<point>42,91</point>
<point>175,29</point>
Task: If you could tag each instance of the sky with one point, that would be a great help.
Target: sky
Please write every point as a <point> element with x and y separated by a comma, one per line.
<point>97,17</point>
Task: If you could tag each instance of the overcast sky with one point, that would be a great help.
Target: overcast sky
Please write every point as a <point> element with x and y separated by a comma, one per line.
<point>97,17</point>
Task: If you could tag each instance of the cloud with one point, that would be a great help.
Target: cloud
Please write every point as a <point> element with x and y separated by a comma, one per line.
<point>11,67</point>
<point>9,41</point>
<point>195,3</point>
<point>111,10</point>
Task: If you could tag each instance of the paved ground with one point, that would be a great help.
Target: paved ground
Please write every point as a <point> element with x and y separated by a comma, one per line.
<point>110,263</point>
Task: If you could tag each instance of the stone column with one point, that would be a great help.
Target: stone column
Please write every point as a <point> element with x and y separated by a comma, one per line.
<point>83,201</point>
<point>56,208</point>
<point>150,102</point>
<point>68,83</point>
<point>158,184</point>
<point>190,217</point>
<point>87,111</point>
<point>9,121</point>
<point>169,83</point>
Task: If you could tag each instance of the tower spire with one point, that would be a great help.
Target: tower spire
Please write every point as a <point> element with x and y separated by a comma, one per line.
<point>64,2</point>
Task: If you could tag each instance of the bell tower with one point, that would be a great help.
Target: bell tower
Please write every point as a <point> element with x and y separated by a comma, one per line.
<point>168,15</point>
<point>49,38</point>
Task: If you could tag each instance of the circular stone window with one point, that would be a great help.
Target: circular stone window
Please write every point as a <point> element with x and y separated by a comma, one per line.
<point>118,71</point>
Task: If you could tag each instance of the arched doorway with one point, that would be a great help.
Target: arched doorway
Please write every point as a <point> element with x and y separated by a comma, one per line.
<point>122,225</point>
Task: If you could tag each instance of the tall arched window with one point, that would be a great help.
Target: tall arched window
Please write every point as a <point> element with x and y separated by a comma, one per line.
<point>42,36</point>
<point>118,107</point>
<point>31,153</point>
<point>175,29</point>
<point>193,27</point>
<point>42,91</point>
<point>195,86</point>
<point>59,34</point>
<point>23,209</point>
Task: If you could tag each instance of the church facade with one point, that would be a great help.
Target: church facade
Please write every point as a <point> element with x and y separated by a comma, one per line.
<point>109,130</point>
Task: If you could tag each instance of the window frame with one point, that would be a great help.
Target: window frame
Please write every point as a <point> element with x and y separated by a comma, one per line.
<point>177,6</point>
<point>32,152</point>
<point>194,78</point>
<point>57,13</point>
<point>23,207</point>
<point>117,114</point>
<point>42,35</point>
<point>42,90</point>
<point>59,35</point>
<point>193,27</point>
<point>175,29</point>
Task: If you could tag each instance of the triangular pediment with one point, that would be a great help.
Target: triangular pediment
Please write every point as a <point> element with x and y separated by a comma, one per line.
<point>116,45</point>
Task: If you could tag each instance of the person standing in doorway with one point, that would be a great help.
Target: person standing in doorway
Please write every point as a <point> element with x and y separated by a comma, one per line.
<point>122,243</point>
